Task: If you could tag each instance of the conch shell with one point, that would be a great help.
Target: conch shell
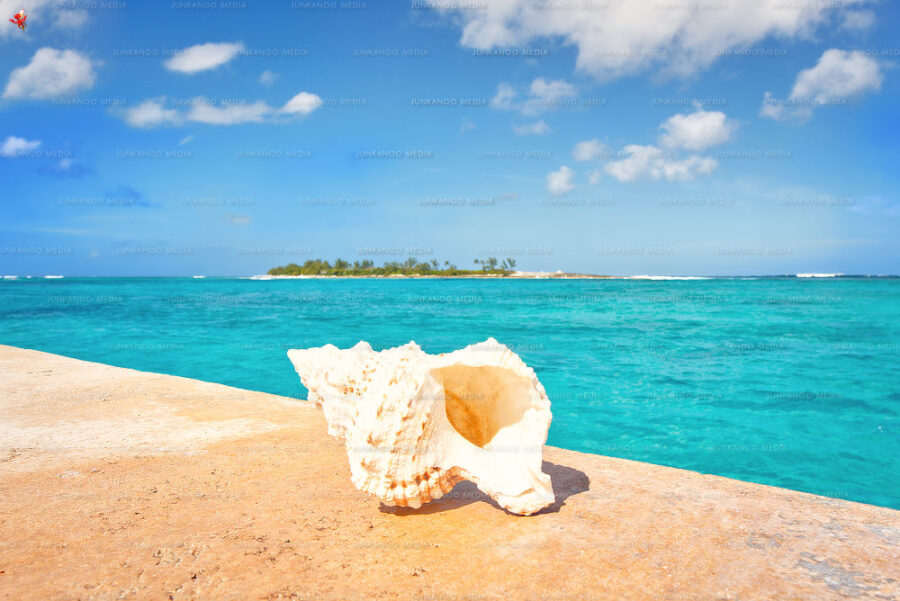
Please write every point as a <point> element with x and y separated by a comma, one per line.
<point>415,424</point>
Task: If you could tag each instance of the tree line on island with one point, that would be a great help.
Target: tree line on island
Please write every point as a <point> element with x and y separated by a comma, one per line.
<point>412,266</point>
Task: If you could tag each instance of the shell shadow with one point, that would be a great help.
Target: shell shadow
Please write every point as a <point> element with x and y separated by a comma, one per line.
<point>566,481</point>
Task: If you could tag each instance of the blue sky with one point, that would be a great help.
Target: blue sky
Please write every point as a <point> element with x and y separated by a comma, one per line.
<point>664,137</point>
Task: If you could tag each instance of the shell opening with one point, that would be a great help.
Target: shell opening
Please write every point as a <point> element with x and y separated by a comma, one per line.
<point>482,400</point>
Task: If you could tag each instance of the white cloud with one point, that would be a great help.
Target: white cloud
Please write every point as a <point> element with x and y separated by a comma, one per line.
<point>547,95</point>
<point>541,95</point>
<point>551,90</point>
<point>71,18</point>
<point>638,163</point>
<point>202,111</point>
<point>559,182</point>
<point>685,169</point>
<point>203,57</point>
<point>589,150</point>
<point>13,146</point>
<point>504,98</point>
<point>696,131</point>
<point>537,128</point>
<point>302,104</point>
<point>838,77</point>
<point>773,108</point>
<point>150,113</point>
<point>858,20</point>
<point>267,77</point>
<point>186,140</point>
<point>51,73</point>
<point>691,132</point>
<point>466,125</point>
<point>154,112</point>
<point>620,38</point>
<point>838,73</point>
<point>642,162</point>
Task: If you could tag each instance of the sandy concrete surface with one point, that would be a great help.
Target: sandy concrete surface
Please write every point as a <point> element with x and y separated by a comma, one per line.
<point>118,484</point>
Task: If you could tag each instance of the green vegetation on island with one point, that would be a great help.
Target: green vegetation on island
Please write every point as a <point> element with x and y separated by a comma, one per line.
<point>410,267</point>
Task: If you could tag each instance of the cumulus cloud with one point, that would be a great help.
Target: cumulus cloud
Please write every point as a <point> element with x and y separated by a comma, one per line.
<point>155,111</point>
<point>621,38</point>
<point>839,76</point>
<point>203,57</point>
<point>541,95</point>
<point>551,90</point>
<point>537,128</point>
<point>682,136</point>
<point>589,150</point>
<point>641,162</point>
<point>684,169</point>
<point>638,162</point>
<point>50,73</point>
<point>696,131</point>
<point>838,73</point>
<point>560,181</point>
<point>150,113</point>
<point>13,146</point>
<point>302,104</point>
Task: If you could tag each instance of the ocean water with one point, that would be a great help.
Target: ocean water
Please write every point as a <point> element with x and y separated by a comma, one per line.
<point>782,381</point>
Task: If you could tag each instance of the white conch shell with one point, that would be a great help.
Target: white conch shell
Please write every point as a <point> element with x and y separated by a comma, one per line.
<point>415,424</point>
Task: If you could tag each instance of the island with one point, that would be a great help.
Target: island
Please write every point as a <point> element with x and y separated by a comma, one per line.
<point>412,268</point>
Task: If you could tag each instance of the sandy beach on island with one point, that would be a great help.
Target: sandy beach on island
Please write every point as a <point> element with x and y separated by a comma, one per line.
<point>119,484</point>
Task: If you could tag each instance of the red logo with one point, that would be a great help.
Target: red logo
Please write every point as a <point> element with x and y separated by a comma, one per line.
<point>19,19</point>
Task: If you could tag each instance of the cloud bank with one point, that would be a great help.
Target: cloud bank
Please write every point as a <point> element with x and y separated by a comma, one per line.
<point>614,39</point>
<point>155,112</point>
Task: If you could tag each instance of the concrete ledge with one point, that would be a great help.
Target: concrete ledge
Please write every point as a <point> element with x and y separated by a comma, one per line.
<point>118,484</point>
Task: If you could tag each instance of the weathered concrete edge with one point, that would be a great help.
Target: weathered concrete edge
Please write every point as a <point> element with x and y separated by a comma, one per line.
<point>293,403</point>
<point>240,471</point>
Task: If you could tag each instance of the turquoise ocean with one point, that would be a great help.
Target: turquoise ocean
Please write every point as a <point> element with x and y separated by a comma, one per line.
<point>783,381</point>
